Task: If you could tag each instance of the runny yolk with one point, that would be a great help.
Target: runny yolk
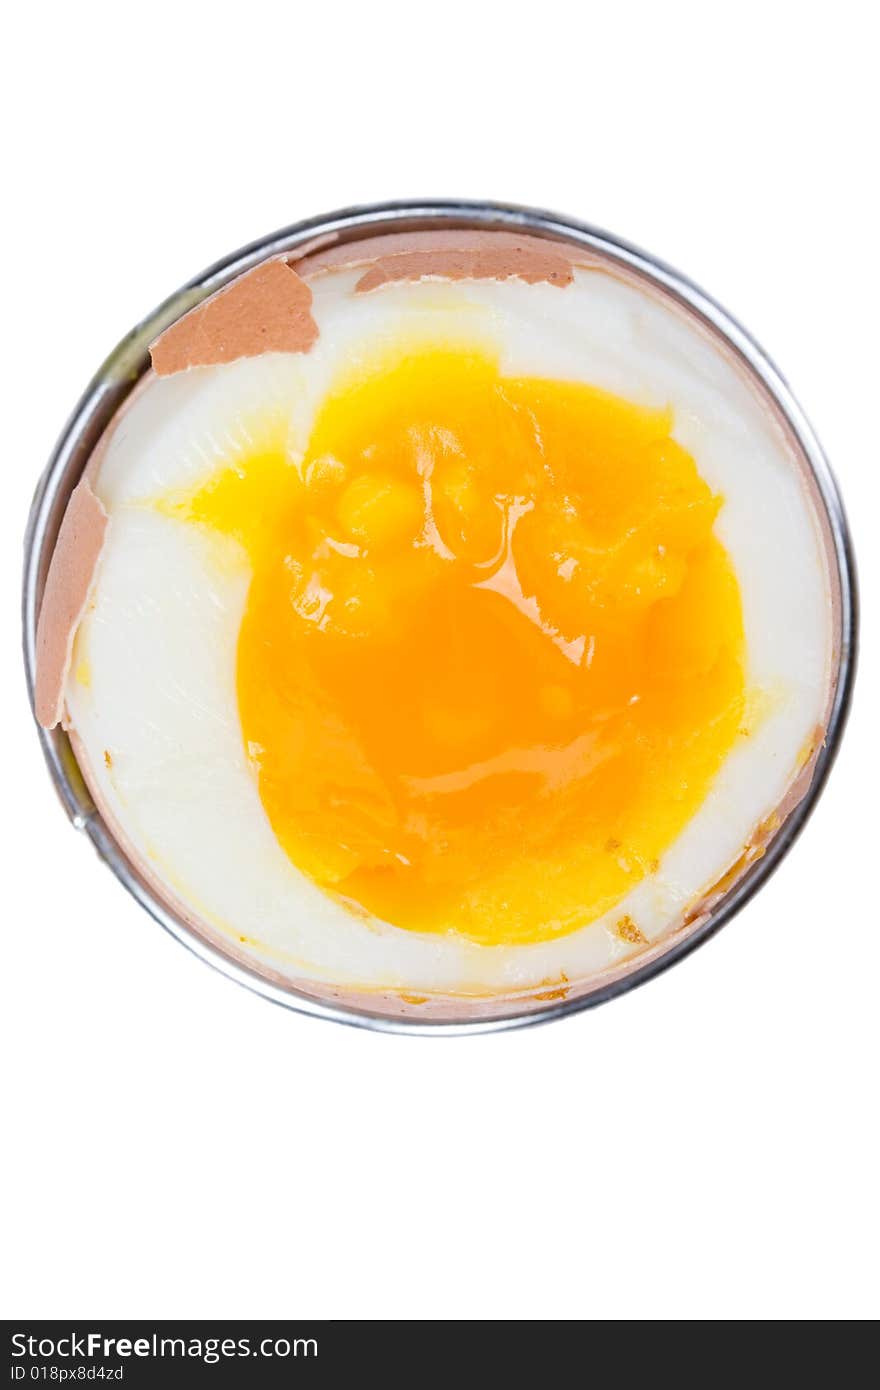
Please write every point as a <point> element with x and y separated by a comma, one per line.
<point>492,655</point>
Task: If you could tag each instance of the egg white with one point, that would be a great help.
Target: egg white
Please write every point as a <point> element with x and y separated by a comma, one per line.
<point>153,680</point>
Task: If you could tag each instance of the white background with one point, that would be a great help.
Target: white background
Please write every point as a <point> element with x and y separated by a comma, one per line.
<point>703,1148</point>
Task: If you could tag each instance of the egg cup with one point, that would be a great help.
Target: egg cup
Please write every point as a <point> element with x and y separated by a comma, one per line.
<point>393,1010</point>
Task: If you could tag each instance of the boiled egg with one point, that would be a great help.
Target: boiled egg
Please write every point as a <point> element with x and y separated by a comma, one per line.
<point>443,617</point>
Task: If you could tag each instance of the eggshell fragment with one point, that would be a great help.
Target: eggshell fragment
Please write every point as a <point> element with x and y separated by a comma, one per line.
<point>68,585</point>
<point>448,255</point>
<point>266,310</point>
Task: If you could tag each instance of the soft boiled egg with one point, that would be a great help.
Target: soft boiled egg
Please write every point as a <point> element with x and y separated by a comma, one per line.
<point>445,617</point>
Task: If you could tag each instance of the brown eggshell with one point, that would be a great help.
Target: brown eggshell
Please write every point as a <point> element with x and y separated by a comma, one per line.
<point>266,310</point>
<point>68,585</point>
<point>449,255</point>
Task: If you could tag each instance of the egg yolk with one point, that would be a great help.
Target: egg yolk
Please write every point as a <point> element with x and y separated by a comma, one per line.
<point>492,655</point>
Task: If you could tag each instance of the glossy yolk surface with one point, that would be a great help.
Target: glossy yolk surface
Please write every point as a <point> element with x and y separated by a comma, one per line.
<point>492,655</point>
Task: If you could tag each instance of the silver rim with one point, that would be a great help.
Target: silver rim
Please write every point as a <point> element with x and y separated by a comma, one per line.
<point>119,374</point>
